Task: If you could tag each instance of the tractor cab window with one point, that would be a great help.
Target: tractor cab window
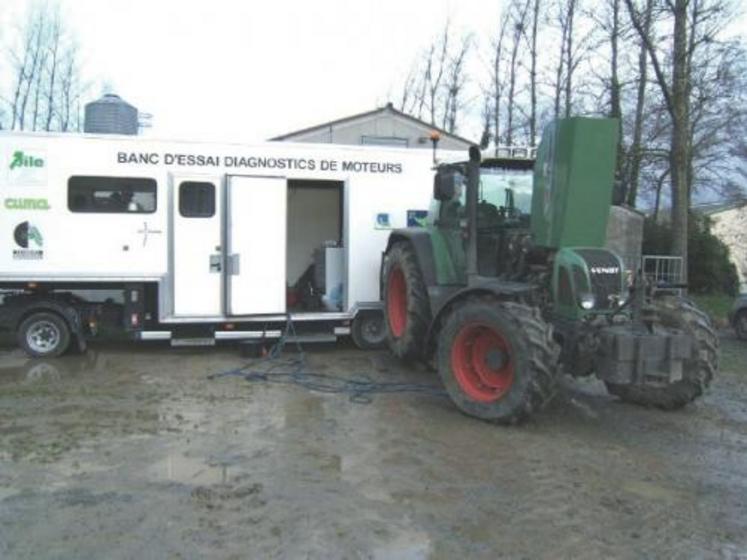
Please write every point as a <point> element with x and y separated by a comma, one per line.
<point>504,194</point>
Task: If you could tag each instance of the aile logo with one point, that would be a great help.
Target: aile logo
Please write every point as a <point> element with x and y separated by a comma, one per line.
<point>25,166</point>
<point>28,237</point>
<point>21,159</point>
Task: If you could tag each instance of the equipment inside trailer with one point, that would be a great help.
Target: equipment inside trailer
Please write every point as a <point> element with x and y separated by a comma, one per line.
<point>315,252</point>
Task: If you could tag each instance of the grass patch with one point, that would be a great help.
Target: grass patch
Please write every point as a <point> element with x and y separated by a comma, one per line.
<point>716,305</point>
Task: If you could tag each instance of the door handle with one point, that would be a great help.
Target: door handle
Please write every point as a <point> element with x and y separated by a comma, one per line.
<point>233,264</point>
<point>215,263</point>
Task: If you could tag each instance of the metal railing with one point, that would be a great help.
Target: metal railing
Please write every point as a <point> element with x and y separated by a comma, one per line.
<point>662,271</point>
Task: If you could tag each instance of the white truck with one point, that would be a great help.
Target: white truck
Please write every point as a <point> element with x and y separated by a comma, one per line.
<point>197,242</point>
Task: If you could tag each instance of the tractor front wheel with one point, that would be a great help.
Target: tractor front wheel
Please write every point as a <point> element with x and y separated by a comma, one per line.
<point>681,315</point>
<point>497,360</point>
<point>406,308</point>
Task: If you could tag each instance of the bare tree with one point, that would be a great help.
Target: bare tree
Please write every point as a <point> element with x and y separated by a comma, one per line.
<point>435,84</point>
<point>498,55</point>
<point>519,10</point>
<point>46,86</point>
<point>570,60</point>
<point>632,174</point>
<point>454,85</point>
<point>695,24</point>
<point>533,73</point>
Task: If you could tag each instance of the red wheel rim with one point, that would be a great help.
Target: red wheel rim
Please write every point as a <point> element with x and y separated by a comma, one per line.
<point>396,301</point>
<point>482,362</point>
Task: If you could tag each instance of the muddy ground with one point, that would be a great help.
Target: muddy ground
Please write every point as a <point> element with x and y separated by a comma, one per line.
<point>130,452</point>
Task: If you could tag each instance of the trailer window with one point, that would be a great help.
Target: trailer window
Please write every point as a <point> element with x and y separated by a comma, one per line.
<point>197,200</point>
<point>111,195</point>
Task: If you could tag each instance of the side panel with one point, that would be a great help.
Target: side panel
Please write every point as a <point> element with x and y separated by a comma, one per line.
<point>196,253</point>
<point>574,176</point>
<point>256,245</point>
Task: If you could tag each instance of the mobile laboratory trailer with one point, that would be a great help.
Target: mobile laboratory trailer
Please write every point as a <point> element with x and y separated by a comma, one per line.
<point>197,242</point>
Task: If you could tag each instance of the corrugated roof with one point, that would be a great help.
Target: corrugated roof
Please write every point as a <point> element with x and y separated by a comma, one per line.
<point>388,108</point>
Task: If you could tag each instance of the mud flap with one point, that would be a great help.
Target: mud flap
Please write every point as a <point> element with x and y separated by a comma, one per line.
<point>625,357</point>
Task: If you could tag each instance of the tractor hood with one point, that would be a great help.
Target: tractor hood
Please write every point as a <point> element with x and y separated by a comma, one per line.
<point>573,180</point>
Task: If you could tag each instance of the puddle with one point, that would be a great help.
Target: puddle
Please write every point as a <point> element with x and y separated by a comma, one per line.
<point>7,492</point>
<point>188,470</point>
<point>653,491</point>
<point>410,545</point>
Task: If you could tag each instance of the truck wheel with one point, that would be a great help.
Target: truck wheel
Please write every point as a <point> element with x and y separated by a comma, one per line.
<point>368,330</point>
<point>697,372</point>
<point>44,335</point>
<point>498,360</point>
<point>406,307</point>
<point>740,325</point>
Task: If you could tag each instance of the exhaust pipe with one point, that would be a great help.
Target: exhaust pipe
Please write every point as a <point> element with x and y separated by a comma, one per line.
<point>473,185</point>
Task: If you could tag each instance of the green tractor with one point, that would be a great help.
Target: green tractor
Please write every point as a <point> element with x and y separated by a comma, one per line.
<point>510,285</point>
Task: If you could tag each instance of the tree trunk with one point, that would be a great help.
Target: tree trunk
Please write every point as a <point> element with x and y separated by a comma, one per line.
<point>679,155</point>
<point>533,76</point>
<point>615,87</point>
<point>569,57</point>
<point>634,170</point>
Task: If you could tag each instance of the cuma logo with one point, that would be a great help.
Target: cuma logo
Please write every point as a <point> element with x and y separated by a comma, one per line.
<point>27,204</point>
<point>23,160</point>
<point>25,234</point>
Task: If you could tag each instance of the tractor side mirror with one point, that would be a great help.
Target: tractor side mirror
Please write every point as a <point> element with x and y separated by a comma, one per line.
<point>445,184</point>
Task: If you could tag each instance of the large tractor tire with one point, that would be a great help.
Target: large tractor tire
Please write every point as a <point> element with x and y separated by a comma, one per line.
<point>498,360</point>
<point>698,371</point>
<point>406,308</point>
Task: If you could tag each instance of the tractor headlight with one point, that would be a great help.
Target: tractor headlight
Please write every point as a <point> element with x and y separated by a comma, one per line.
<point>587,301</point>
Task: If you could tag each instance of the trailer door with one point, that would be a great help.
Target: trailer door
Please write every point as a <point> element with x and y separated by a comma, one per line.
<point>256,245</point>
<point>197,256</point>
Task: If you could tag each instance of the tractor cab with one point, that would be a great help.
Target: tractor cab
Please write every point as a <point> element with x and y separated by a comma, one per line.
<point>504,193</point>
<point>504,207</point>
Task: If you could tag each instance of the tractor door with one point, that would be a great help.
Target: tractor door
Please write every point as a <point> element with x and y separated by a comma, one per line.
<point>448,238</point>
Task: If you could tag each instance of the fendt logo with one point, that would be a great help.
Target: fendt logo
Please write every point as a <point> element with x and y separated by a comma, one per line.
<point>22,159</point>
<point>605,270</point>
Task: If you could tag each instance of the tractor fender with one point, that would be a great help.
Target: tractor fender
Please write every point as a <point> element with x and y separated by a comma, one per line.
<point>444,299</point>
<point>420,241</point>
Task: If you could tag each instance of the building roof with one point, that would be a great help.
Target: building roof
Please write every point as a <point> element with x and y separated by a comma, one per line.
<point>388,108</point>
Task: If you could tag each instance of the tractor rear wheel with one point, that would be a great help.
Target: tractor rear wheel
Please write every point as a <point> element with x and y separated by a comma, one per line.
<point>498,360</point>
<point>406,308</point>
<point>679,314</point>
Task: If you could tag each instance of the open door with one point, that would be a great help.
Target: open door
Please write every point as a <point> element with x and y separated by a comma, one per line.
<point>256,245</point>
<point>197,256</point>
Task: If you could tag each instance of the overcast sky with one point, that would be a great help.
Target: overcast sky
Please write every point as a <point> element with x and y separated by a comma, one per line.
<point>248,70</point>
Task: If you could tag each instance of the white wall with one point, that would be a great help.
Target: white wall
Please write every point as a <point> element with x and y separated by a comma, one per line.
<point>313,218</point>
<point>730,226</point>
<point>382,124</point>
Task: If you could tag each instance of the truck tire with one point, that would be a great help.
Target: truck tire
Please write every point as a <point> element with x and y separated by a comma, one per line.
<point>368,331</point>
<point>698,371</point>
<point>498,360</point>
<point>44,335</point>
<point>740,324</point>
<point>406,307</point>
